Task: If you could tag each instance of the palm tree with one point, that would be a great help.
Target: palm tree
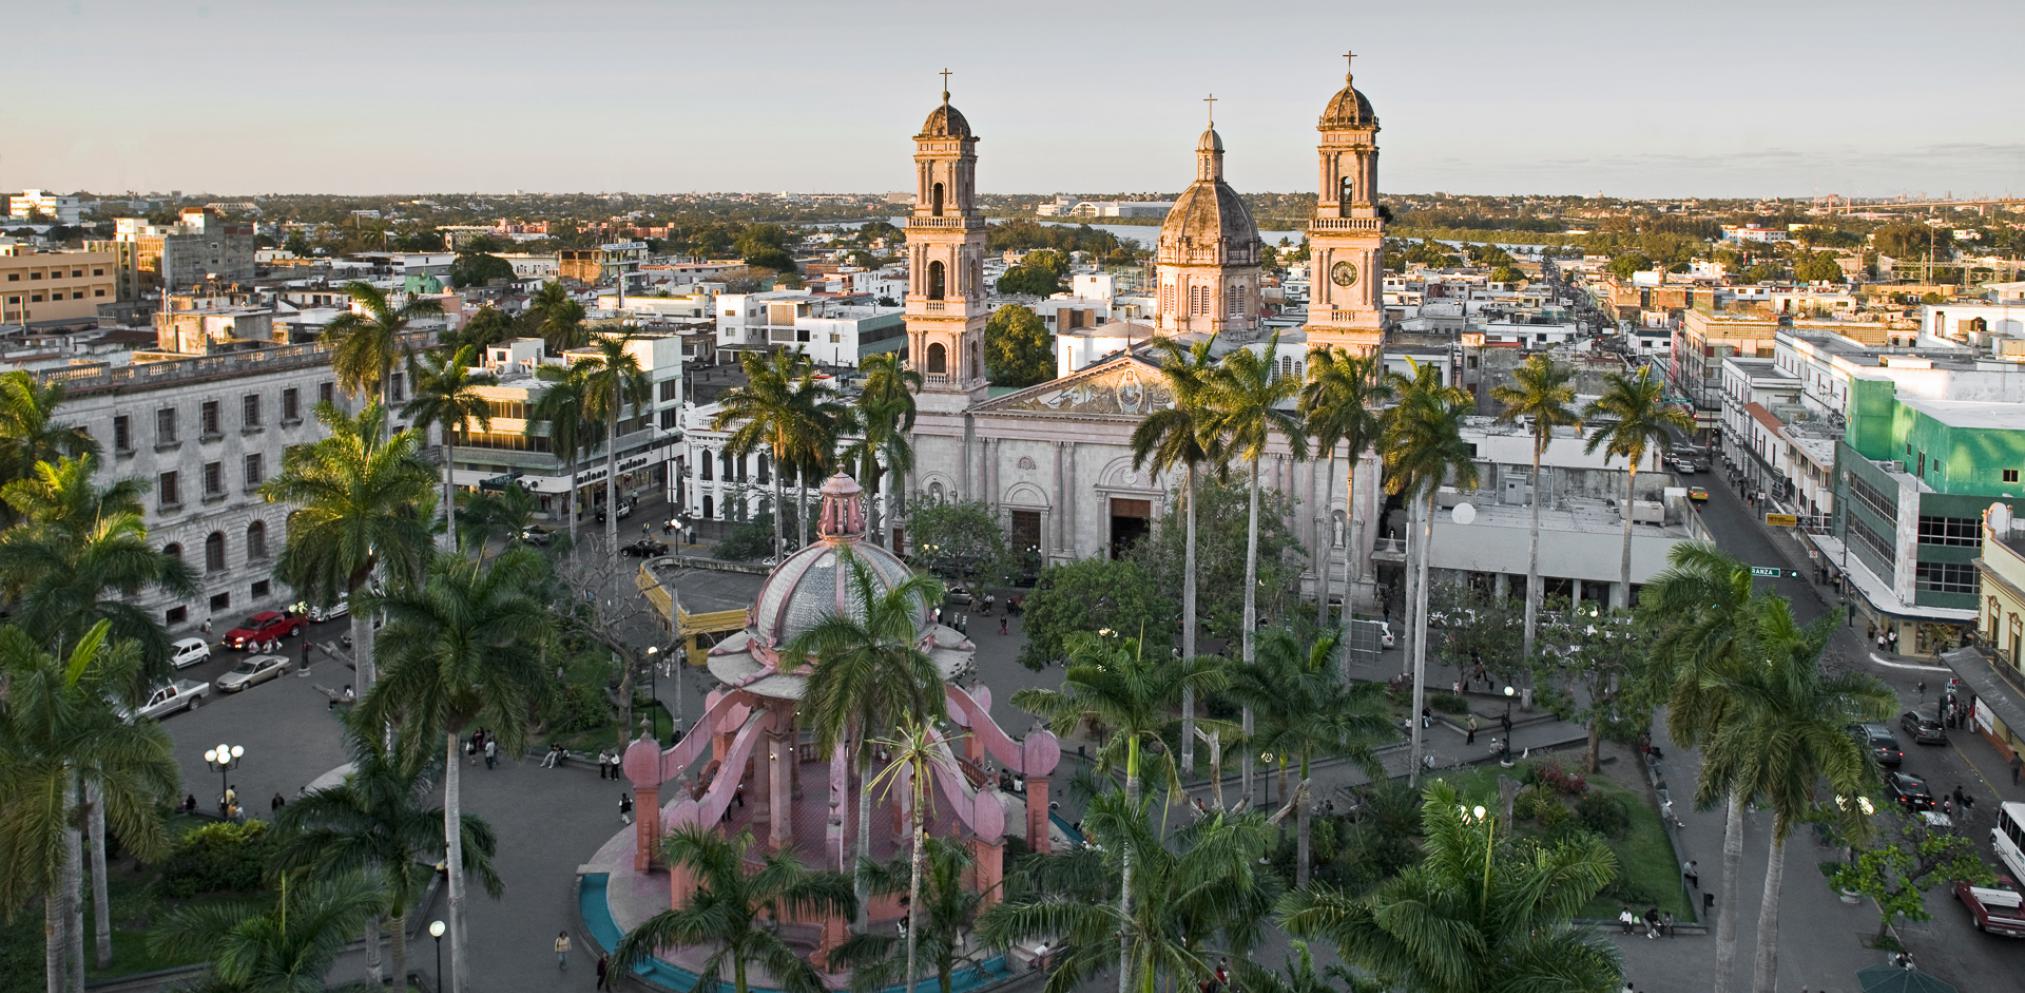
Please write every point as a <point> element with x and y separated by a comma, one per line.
<point>1785,732</point>
<point>29,432</point>
<point>733,911</point>
<point>557,318</point>
<point>446,397</point>
<point>1244,396</point>
<point>1181,436</point>
<point>1479,913</point>
<point>1211,884</point>
<point>613,383</point>
<point>466,655</point>
<point>1340,405</point>
<point>59,728</point>
<point>918,755</point>
<point>826,418</point>
<point>286,949</point>
<point>767,414</point>
<point>870,676</point>
<point>885,417</point>
<point>489,327</point>
<point>502,515</point>
<point>358,499</point>
<point>1111,683</point>
<point>1301,975</point>
<point>1639,421</point>
<point>1306,710</point>
<point>366,341</point>
<point>1423,449</point>
<point>562,407</point>
<point>948,907</point>
<point>1701,613</point>
<point>1540,394</point>
<point>379,824</point>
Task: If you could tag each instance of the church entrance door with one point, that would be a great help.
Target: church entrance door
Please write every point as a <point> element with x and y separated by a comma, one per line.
<point>1130,520</point>
<point>1024,538</point>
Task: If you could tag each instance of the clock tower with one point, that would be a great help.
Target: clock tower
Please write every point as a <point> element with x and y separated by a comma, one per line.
<point>1346,237</point>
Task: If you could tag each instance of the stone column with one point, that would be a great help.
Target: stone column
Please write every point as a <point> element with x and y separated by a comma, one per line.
<point>646,826</point>
<point>988,871</point>
<point>1037,815</point>
<point>779,791</point>
<point>1061,515</point>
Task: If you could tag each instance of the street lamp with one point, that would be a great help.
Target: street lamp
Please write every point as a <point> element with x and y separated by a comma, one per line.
<point>224,758</point>
<point>436,929</point>
<point>654,679</point>
<point>1509,694</point>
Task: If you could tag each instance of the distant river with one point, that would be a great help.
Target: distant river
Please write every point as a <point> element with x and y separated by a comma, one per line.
<point>1142,235</point>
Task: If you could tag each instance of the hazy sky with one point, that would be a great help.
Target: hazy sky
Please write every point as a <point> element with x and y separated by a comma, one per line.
<point>1713,98</point>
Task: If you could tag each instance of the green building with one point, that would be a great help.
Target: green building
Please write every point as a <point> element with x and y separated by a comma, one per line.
<point>1913,477</point>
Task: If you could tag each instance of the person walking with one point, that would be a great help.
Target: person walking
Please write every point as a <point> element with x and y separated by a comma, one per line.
<point>604,965</point>
<point>2016,762</point>
<point>1692,873</point>
<point>1626,919</point>
<point>626,807</point>
<point>616,764</point>
<point>1470,731</point>
<point>491,753</point>
<point>1003,620</point>
<point>274,806</point>
<point>562,949</point>
<point>604,763</point>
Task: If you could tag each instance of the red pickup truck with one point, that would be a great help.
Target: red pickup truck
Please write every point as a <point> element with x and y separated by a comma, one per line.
<point>1996,908</point>
<point>263,631</point>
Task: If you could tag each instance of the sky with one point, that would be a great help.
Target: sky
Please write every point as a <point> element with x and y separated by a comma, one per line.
<point>1714,98</point>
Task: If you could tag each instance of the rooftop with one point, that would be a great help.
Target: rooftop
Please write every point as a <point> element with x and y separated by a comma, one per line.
<point>1977,414</point>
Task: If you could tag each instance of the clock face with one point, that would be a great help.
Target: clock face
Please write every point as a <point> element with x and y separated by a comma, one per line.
<point>1343,274</point>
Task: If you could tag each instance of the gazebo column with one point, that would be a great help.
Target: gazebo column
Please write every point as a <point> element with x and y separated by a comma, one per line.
<point>780,790</point>
<point>646,826</point>
<point>988,871</point>
<point>1037,815</point>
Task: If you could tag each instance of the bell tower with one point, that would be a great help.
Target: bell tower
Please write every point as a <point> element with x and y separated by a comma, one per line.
<point>945,262</point>
<point>1346,237</point>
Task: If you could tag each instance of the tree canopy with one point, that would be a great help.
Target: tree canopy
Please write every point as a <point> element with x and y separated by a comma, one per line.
<point>1018,349</point>
<point>478,268</point>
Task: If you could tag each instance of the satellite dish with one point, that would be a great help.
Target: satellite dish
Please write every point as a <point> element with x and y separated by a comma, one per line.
<point>1464,513</point>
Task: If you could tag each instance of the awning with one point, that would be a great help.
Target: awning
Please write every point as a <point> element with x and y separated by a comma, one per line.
<point>1993,690</point>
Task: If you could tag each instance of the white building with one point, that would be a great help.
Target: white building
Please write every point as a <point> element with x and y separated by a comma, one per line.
<point>30,205</point>
<point>1825,362</point>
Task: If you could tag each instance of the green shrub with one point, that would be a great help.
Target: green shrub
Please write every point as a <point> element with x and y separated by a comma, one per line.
<point>1604,814</point>
<point>1448,703</point>
<point>1562,781</point>
<point>1530,801</point>
<point>216,858</point>
<point>1554,817</point>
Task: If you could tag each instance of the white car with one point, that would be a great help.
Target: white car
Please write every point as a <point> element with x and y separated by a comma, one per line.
<point>167,698</point>
<point>187,652</point>
<point>318,615</point>
<point>1385,637</point>
<point>250,670</point>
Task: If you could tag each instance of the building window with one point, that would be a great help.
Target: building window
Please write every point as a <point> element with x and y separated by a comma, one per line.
<point>221,602</point>
<point>173,550</point>
<point>256,541</point>
<point>1871,541</point>
<point>214,479</point>
<point>214,552</point>
<point>399,383</point>
<point>167,494</point>
<point>165,426</point>
<point>326,392</point>
<point>765,465</point>
<point>1963,531</point>
<point>2010,475</point>
<point>175,616</point>
<point>123,435</point>
<point>938,360</point>
<point>256,471</point>
<point>207,420</point>
<point>259,590</point>
<point>249,411</point>
<point>1945,577</point>
<point>707,465</point>
<point>1872,498</point>
<point>291,405</point>
<point>937,277</point>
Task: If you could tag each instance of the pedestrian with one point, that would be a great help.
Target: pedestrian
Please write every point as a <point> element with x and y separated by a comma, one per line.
<point>562,949</point>
<point>604,763</point>
<point>1470,731</point>
<point>471,749</point>
<point>207,626</point>
<point>189,804</point>
<point>604,963</point>
<point>1666,813</point>
<point>2015,763</point>
<point>1003,620</point>
<point>1626,919</point>
<point>548,761</point>
<point>1651,922</point>
<point>1666,926</point>
<point>1692,874</point>
<point>1223,972</point>
<point>626,807</point>
<point>274,806</point>
<point>1426,717</point>
<point>491,753</point>
<point>617,764</point>
<point>739,795</point>
<point>351,696</point>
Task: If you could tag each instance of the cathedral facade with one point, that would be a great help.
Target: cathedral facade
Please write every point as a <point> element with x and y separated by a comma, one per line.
<point>1055,460</point>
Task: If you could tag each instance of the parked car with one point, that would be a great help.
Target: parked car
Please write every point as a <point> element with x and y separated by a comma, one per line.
<point>1924,725</point>
<point>1908,791</point>
<point>645,548</point>
<point>251,670</point>
<point>537,535</point>
<point>1879,739</point>
<point>167,698</point>
<point>1994,909</point>
<point>625,509</point>
<point>959,596</point>
<point>186,652</point>
<point>264,631</point>
<point>343,606</point>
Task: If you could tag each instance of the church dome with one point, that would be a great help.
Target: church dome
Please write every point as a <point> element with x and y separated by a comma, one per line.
<point>945,121</point>
<point>1210,141</point>
<point>815,582</point>
<point>1348,109</point>
<point>1208,213</point>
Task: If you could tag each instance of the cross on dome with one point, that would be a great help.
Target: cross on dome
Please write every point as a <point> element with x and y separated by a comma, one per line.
<point>1211,101</point>
<point>945,84</point>
<point>1348,57</point>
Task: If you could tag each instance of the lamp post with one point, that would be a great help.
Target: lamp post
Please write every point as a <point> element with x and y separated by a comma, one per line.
<point>654,679</point>
<point>224,758</point>
<point>436,929</point>
<point>1509,694</point>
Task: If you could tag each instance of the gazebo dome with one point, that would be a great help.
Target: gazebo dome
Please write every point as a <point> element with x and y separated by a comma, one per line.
<point>814,582</point>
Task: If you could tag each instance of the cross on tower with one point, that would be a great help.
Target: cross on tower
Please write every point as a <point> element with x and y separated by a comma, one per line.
<point>1347,58</point>
<point>1211,101</point>
<point>945,84</point>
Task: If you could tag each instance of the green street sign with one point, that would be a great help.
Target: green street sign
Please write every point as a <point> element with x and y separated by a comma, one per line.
<point>1767,571</point>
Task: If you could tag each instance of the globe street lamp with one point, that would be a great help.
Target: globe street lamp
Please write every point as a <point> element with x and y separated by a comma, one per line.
<point>224,758</point>
<point>436,929</point>
<point>654,680</point>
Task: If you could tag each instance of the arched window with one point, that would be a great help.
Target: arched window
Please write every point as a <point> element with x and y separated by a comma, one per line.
<point>1345,193</point>
<point>938,359</point>
<point>709,509</point>
<point>935,200</point>
<point>936,279</point>
<point>765,465</point>
<point>214,552</point>
<point>707,465</point>
<point>1235,306</point>
<point>256,540</point>
<point>724,464</point>
<point>173,551</point>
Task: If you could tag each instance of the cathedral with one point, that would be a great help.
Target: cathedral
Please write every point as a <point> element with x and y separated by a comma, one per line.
<point>1055,460</point>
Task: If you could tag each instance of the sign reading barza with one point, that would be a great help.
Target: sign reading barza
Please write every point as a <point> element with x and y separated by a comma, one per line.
<point>1782,520</point>
<point>1767,571</point>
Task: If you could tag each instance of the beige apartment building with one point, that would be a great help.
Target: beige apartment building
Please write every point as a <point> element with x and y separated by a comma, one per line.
<point>38,287</point>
